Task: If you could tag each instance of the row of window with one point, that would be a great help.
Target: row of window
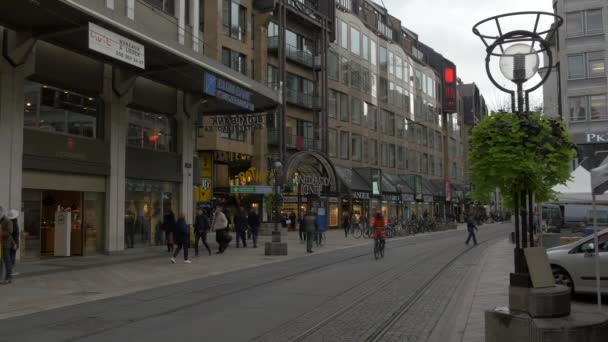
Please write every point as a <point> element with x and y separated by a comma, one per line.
<point>56,110</point>
<point>293,40</point>
<point>234,19</point>
<point>234,60</point>
<point>295,84</point>
<point>581,23</point>
<point>586,65</point>
<point>359,44</point>
<point>359,148</point>
<point>584,108</point>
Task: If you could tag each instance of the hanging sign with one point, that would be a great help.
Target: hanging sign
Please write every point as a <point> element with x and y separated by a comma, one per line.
<point>361,195</point>
<point>448,191</point>
<point>418,188</point>
<point>233,123</point>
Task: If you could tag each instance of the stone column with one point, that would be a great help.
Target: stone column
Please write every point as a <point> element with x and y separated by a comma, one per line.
<point>117,92</point>
<point>186,145</point>
<point>15,65</point>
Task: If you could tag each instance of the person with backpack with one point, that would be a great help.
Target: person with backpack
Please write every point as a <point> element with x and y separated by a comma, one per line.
<point>220,225</point>
<point>471,227</point>
<point>201,228</point>
<point>254,225</point>
<point>182,237</point>
<point>6,243</point>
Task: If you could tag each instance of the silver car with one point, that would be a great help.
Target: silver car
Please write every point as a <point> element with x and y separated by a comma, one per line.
<point>573,265</point>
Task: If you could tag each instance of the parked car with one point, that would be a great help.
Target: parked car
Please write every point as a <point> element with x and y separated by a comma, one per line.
<point>573,265</point>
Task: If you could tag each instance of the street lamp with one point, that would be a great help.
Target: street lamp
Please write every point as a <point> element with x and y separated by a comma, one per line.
<point>400,210</point>
<point>278,176</point>
<point>518,53</point>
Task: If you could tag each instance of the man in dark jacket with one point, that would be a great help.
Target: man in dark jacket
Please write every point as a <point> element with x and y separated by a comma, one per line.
<point>240,222</point>
<point>471,227</point>
<point>169,228</point>
<point>181,236</point>
<point>201,228</point>
<point>254,225</point>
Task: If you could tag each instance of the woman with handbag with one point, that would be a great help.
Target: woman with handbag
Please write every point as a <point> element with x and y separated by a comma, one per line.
<point>220,225</point>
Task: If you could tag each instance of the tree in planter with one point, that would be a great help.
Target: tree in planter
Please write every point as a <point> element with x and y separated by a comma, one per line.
<point>519,153</point>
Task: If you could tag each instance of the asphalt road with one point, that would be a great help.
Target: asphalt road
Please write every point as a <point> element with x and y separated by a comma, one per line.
<point>344,295</point>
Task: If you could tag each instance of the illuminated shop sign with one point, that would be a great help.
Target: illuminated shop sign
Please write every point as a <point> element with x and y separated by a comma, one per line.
<point>228,91</point>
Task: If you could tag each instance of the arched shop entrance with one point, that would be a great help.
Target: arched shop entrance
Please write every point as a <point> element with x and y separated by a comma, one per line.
<point>311,183</point>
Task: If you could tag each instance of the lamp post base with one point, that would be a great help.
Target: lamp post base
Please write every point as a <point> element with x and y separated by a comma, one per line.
<point>275,247</point>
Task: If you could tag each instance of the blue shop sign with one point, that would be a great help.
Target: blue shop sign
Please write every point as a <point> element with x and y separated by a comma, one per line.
<point>228,91</point>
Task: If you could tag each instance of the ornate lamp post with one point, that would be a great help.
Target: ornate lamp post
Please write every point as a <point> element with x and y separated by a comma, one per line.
<point>518,57</point>
<point>276,247</point>
<point>400,210</point>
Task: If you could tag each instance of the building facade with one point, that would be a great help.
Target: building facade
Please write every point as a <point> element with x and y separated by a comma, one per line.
<point>576,91</point>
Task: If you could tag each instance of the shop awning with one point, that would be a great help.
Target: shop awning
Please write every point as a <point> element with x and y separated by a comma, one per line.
<point>438,187</point>
<point>351,180</point>
<point>397,180</point>
<point>425,188</point>
<point>66,23</point>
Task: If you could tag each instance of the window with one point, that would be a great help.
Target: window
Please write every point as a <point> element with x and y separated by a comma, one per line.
<point>373,151</point>
<point>234,20</point>
<point>425,163</point>
<point>584,23</point>
<point>167,6</point>
<point>151,131</point>
<point>355,76</point>
<point>418,79</point>
<point>597,107</point>
<point>369,112</point>
<point>383,59</point>
<point>391,155</point>
<point>384,154</point>
<point>574,23</point>
<point>391,63</point>
<point>400,159</point>
<point>595,64</point>
<point>356,142</point>
<point>399,67</point>
<point>576,67</point>
<point>332,104</point>
<point>56,110</point>
<point>343,107</point>
<point>594,22</point>
<point>333,66</point>
<point>345,70</point>
<point>365,80</point>
<point>272,77</point>
<point>333,142</point>
<point>372,52</point>
<point>356,111</point>
<point>383,90</point>
<point>373,83</point>
<point>390,125</point>
<point>365,48</point>
<point>355,41</point>
<point>234,60</point>
<point>577,108</point>
<point>344,142</point>
<point>344,34</point>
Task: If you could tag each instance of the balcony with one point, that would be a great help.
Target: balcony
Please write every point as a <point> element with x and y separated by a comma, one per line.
<point>345,5</point>
<point>384,30</point>
<point>294,54</point>
<point>303,100</point>
<point>306,9</point>
<point>294,142</point>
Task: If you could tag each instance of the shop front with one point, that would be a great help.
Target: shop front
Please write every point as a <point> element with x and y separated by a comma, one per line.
<point>356,193</point>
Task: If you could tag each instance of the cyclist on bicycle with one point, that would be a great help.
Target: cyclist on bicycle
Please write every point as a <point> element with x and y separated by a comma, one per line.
<point>378,223</point>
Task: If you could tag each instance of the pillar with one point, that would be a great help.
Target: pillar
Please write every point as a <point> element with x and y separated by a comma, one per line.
<point>117,92</point>
<point>187,106</point>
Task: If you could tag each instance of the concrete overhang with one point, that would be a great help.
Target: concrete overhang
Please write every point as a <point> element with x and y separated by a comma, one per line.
<point>65,23</point>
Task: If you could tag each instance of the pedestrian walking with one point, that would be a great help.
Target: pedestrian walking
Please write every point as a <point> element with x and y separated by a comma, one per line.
<point>254,226</point>
<point>220,225</point>
<point>301,229</point>
<point>130,225</point>
<point>201,228</point>
<point>310,226</point>
<point>240,222</point>
<point>6,244</point>
<point>182,238</point>
<point>471,227</point>
<point>346,224</point>
<point>292,221</point>
<point>169,224</point>
<point>12,215</point>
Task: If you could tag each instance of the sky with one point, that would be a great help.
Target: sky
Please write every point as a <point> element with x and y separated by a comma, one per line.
<point>446,26</point>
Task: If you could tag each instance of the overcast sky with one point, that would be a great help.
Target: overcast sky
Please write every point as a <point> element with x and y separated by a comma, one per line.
<point>445,26</point>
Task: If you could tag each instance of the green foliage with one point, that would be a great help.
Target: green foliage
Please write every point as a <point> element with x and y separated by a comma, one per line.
<point>514,153</point>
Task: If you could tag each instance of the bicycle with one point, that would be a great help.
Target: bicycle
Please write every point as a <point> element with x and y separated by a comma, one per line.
<point>379,244</point>
<point>356,230</point>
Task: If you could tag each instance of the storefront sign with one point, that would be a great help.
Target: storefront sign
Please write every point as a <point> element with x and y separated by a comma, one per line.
<point>407,198</point>
<point>448,191</point>
<point>361,195</point>
<point>227,157</point>
<point>250,189</point>
<point>234,123</point>
<point>391,198</point>
<point>597,137</point>
<point>228,91</point>
<point>333,200</point>
<point>428,199</point>
<point>312,185</point>
<point>294,199</point>
<point>116,46</point>
<point>204,192</point>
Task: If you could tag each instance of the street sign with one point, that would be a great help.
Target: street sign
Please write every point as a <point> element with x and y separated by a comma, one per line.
<point>250,189</point>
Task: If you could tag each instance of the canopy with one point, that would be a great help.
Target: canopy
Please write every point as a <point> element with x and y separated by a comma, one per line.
<point>578,188</point>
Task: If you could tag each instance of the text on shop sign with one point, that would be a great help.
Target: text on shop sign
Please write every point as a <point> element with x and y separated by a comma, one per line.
<point>312,184</point>
<point>116,46</point>
<point>228,91</point>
